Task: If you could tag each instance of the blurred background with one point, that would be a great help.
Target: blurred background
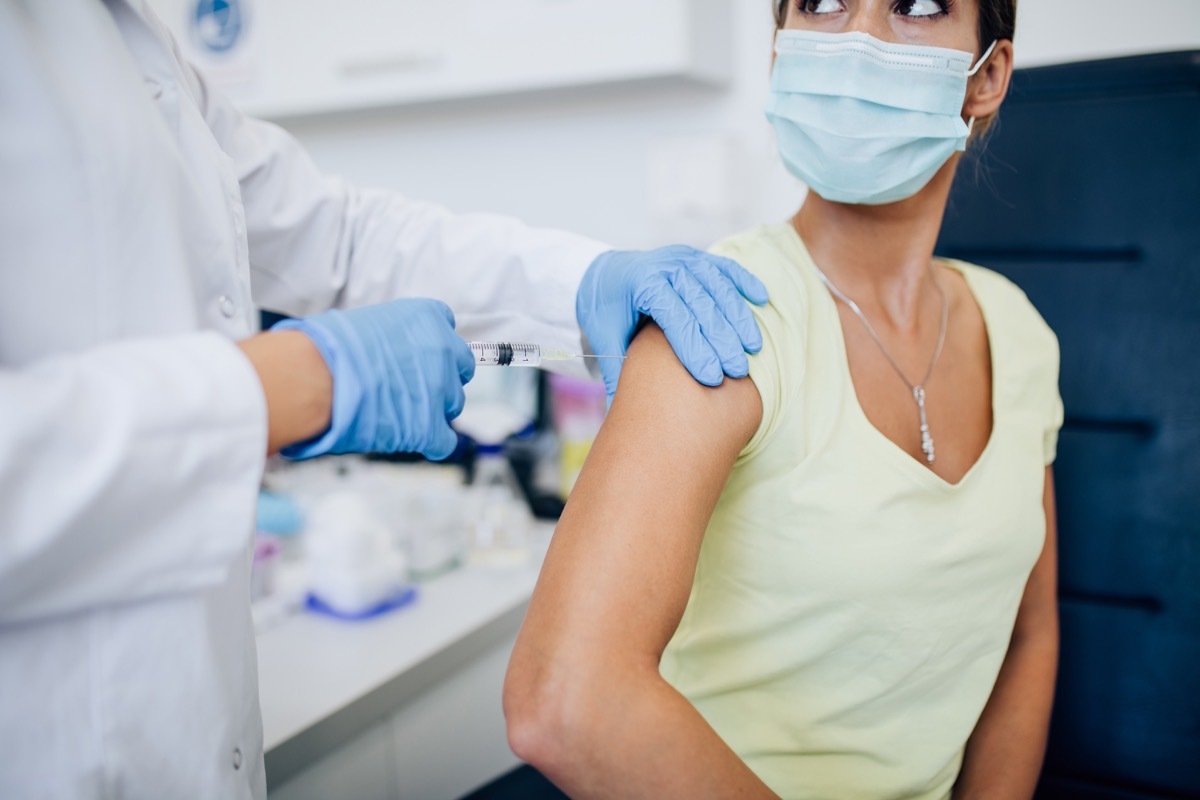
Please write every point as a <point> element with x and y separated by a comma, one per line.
<point>550,110</point>
<point>639,122</point>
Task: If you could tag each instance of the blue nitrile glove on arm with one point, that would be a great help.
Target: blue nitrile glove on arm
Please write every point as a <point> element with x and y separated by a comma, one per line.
<point>398,374</point>
<point>698,299</point>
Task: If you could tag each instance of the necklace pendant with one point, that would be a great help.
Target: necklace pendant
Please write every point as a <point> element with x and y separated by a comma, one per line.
<point>926,437</point>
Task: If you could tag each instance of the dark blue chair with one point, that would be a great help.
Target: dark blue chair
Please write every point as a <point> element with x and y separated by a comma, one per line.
<point>1088,197</point>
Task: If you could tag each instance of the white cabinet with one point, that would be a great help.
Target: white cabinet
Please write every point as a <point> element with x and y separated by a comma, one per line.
<point>304,57</point>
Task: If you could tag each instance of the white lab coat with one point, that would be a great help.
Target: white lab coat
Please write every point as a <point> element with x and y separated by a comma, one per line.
<point>142,220</point>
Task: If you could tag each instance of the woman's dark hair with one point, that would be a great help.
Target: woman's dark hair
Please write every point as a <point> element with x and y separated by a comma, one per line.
<point>997,19</point>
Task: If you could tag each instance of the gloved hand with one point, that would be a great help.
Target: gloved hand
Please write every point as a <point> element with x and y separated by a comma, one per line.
<point>695,297</point>
<point>398,374</point>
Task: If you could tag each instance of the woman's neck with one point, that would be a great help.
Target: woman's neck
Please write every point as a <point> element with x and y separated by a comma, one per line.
<point>879,255</point>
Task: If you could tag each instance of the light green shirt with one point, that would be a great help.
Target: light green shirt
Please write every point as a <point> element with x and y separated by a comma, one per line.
<point>851,609</point>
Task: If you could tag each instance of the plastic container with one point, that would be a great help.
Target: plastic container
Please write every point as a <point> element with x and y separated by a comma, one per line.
<point>501,520</point>
<point>578,409</point>
<point>355,568</point>
<point>266,564</point>
<point>424,507</point>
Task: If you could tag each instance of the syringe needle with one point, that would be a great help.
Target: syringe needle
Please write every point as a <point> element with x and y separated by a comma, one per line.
<point>563,355</point>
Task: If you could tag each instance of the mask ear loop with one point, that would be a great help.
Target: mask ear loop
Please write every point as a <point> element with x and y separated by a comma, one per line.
<point>973,71</point>
<point>983,59</point>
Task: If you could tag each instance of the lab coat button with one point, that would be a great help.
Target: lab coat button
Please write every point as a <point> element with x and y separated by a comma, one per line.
<point>228,309</point>
<point>237,758</point>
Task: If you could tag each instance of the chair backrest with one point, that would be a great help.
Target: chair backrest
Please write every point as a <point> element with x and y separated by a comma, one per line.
<point>1088,197</point>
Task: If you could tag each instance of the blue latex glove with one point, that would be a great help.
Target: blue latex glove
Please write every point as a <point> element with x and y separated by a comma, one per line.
<point>398,374</point>
<point>695,297</point>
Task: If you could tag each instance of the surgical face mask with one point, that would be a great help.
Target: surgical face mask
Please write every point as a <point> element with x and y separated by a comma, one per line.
<point>864,121</point>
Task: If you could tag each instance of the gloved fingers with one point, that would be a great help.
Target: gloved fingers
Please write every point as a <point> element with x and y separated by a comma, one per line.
<point>456,401</point>
<point>442,310</point>
<point>610,370</point>
<point>455,397</point>
<point>722,337</point>
<point>729,301</point>
<point>746,282</point>
<point>464,359</point>
<point>443,441</point>
<point>662,302</point>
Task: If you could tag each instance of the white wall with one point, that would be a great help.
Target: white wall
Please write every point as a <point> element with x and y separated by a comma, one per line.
<point>1058,31</point>
<point>588,160</point>
<point>577,160</point>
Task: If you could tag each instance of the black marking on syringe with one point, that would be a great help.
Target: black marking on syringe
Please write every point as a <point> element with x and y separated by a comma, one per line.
<point>506,354</point>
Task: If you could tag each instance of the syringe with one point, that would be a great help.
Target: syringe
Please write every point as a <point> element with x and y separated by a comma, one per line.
<point>508,354</point>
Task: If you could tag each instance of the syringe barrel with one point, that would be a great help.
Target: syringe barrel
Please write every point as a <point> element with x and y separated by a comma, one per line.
<point>506,354</point>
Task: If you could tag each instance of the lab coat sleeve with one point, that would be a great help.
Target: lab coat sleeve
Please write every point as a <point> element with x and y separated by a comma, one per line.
<point>128,471</point>
<point>317,242</point>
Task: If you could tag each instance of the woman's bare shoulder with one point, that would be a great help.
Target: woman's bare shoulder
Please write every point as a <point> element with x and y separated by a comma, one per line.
<point>655,386</point>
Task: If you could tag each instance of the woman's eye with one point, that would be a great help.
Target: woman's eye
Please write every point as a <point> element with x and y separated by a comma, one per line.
<point>821,6</point>
<point>920,8</point>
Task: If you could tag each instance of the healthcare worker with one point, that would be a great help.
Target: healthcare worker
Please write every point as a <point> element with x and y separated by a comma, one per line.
<point>142,221</point>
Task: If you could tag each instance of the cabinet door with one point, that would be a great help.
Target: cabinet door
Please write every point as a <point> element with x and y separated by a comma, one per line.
<point>304,57</point>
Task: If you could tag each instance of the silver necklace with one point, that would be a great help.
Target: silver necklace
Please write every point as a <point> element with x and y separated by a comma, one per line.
<point>918,390</point>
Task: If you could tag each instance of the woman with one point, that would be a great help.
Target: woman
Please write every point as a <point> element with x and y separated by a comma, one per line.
<point>835,578</point>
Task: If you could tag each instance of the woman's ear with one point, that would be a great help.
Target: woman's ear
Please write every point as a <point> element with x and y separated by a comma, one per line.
<point>987,89</point>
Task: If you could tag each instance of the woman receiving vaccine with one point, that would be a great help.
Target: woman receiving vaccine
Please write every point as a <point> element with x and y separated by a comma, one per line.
<point>834,578</point>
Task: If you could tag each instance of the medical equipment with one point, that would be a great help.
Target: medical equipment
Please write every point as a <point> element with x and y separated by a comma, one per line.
<point>500,515</point>
<point>506,354</point>
<point>577,408</point>
<point>355,569</point>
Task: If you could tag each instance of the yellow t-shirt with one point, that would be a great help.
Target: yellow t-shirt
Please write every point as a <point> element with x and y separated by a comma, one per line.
<point>851,609</point>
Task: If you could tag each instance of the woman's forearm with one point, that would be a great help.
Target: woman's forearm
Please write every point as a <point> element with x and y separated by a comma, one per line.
<point>627,735</point>
<point>1005,753</point>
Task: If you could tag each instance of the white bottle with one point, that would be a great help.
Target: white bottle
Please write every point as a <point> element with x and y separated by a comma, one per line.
<point>501,519</point>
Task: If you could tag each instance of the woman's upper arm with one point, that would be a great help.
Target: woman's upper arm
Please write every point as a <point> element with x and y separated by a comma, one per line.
<point>1038,613</point>
<point>620,568</point>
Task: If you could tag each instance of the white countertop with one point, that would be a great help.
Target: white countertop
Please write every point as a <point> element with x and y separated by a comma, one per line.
<point>323,681</point>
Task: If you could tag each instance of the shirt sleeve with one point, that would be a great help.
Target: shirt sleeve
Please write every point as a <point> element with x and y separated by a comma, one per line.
<point>128,471</point>
<point>777,386</point>
<point>1025,340</point>
<point>316,242</point>
<point>1054,405</point>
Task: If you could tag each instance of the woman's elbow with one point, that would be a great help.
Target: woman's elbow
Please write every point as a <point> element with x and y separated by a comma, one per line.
<point>553,709</point>
<point>535,715</point>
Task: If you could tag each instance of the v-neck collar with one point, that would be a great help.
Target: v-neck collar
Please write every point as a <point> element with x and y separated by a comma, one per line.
<point>905,461</point>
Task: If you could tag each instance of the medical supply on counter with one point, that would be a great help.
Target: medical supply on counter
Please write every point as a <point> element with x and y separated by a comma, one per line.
<point>424,506</point>
<point>266,563</point>
<point>355,567</point>
<point>403,596</point>
<point>578,409</point>
<point>535,463</point>
<point>501,519</point>
<point>508,354</point>
<point>278,515</point>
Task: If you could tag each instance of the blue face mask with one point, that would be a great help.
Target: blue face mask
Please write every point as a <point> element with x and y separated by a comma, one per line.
<point>864,121</point>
